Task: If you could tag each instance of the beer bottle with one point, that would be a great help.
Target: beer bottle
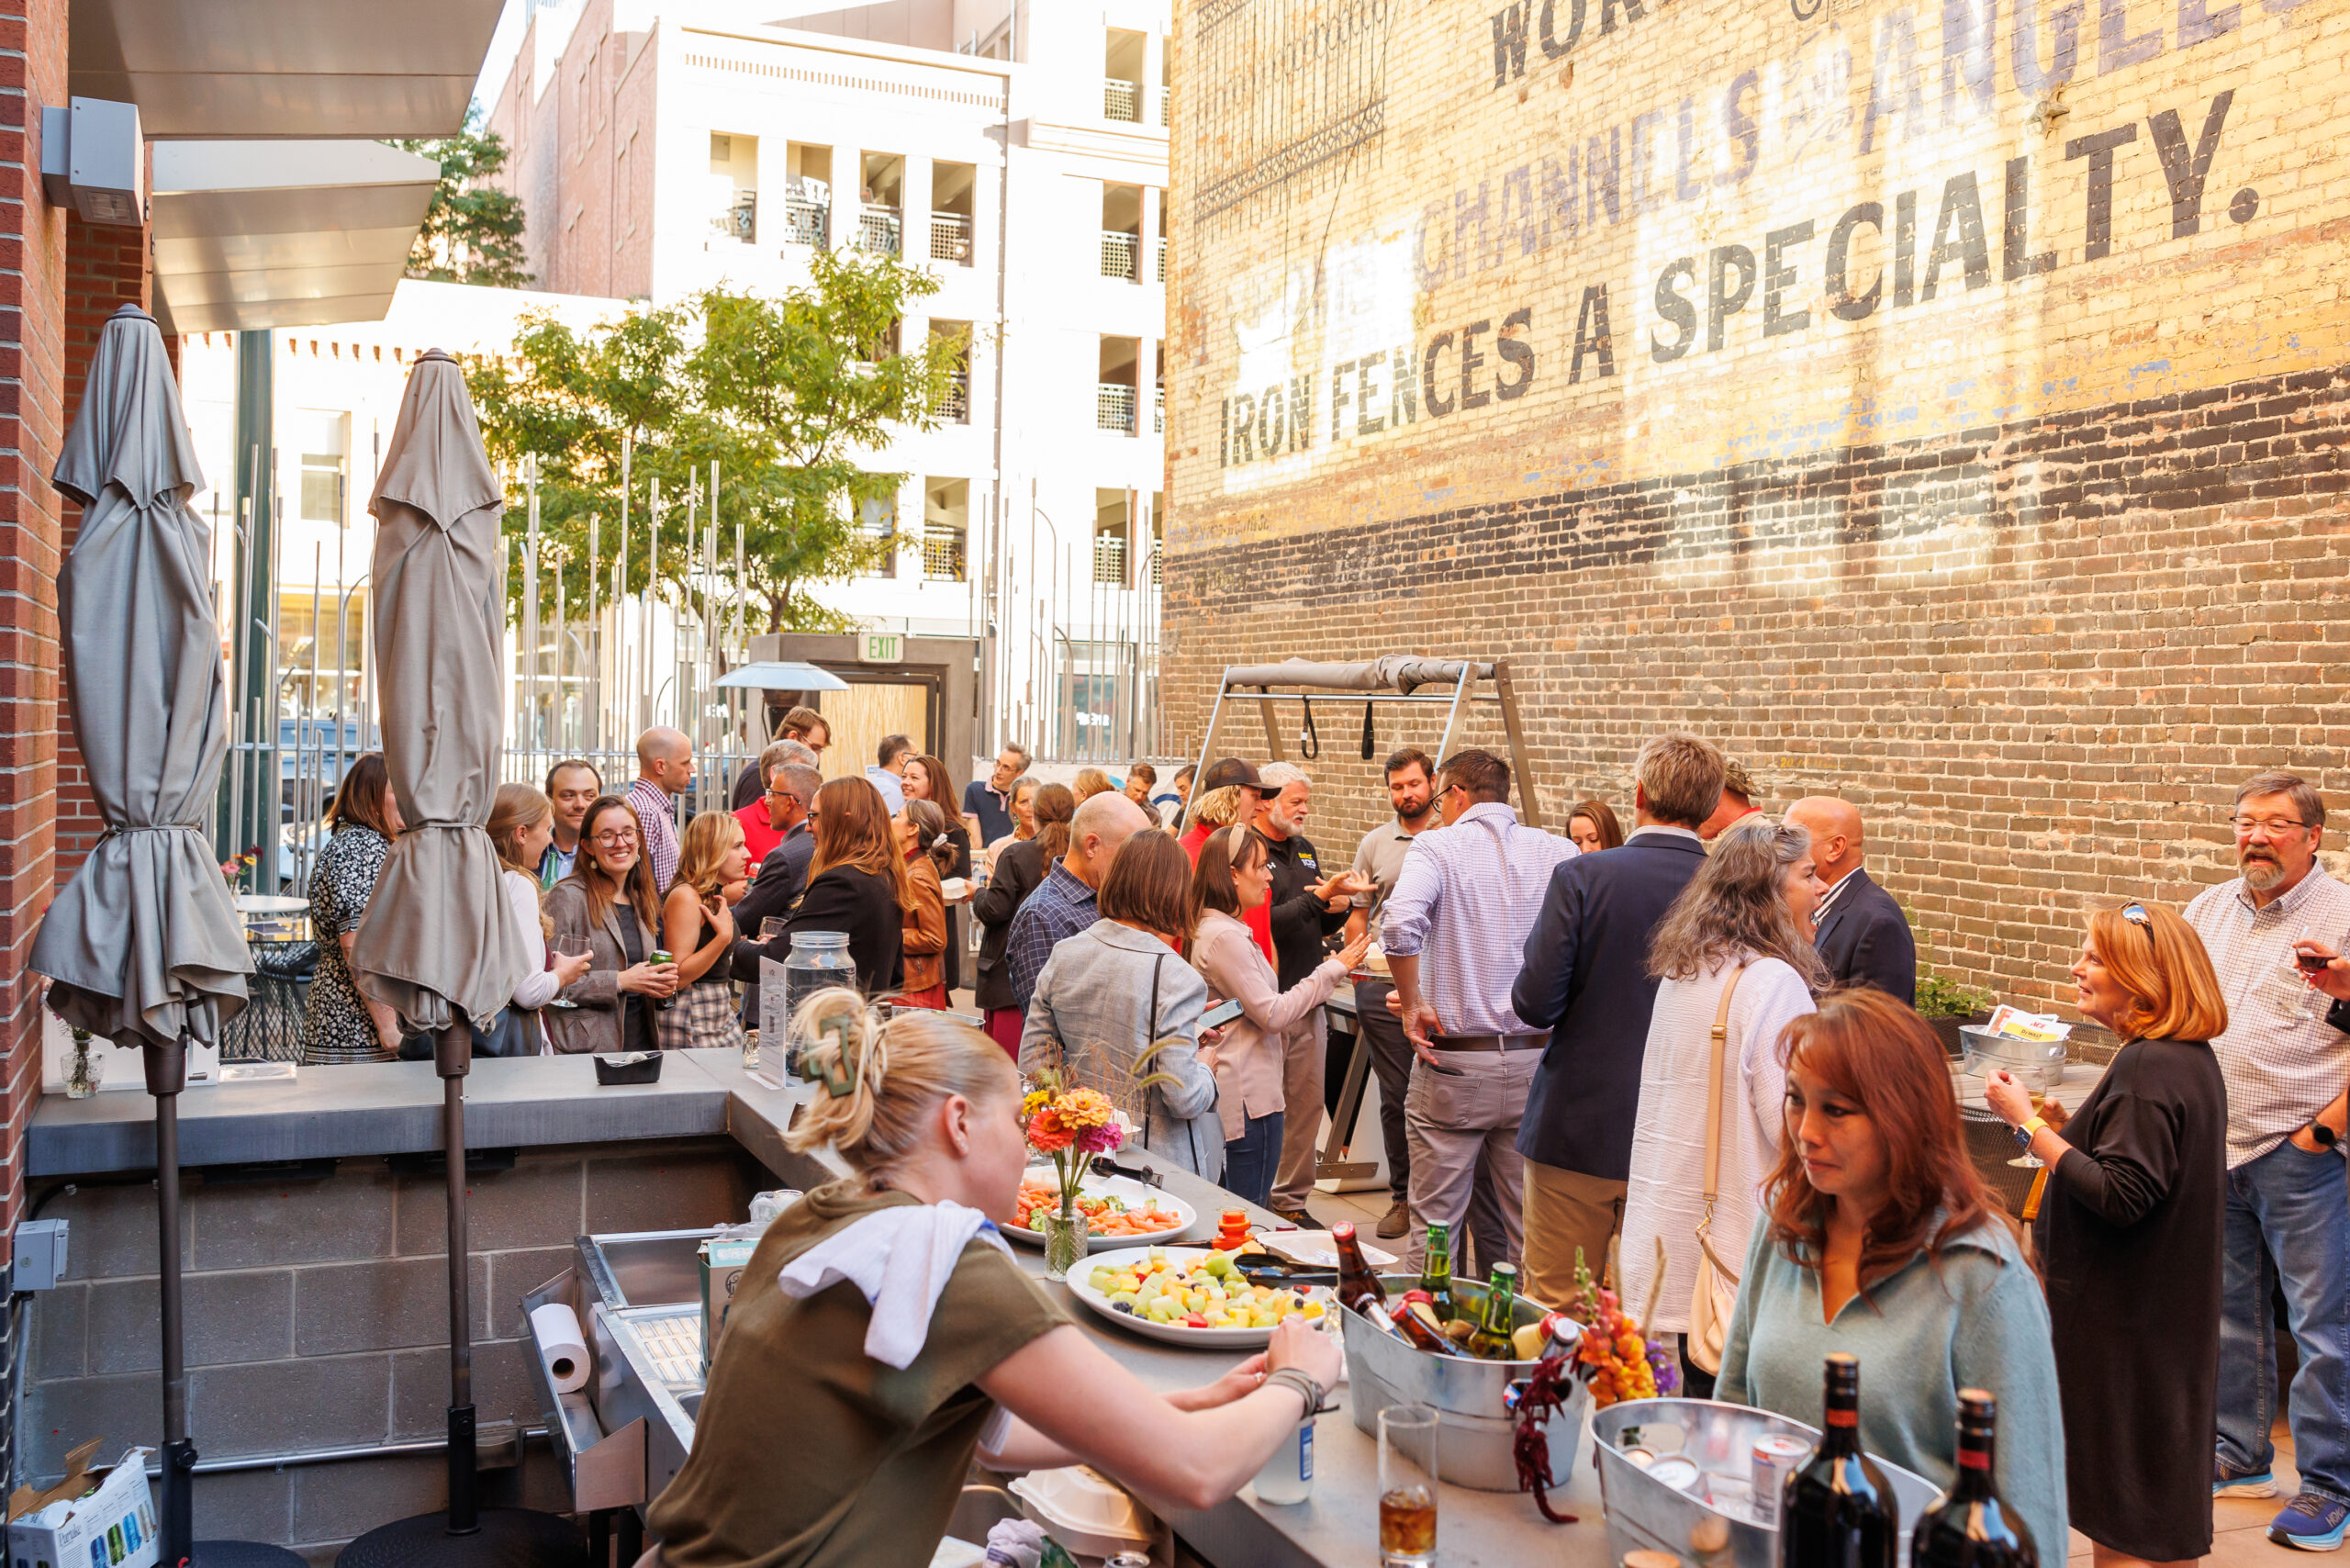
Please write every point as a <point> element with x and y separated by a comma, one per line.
<point>1417,1326</point>
<point>1492,1339</point>
<point>1435,1273</point>
<point>1358,1286</point>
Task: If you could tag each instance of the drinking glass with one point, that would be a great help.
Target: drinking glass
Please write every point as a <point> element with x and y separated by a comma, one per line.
<point>770,928</point>
<point>1407,1486</point>
<point>2033,1078</point>
<point>570,948</point>
<point>2312,1004</point>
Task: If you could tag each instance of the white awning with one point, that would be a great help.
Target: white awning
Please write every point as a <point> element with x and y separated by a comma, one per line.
<point>283,68</point>
<point>254,234</point>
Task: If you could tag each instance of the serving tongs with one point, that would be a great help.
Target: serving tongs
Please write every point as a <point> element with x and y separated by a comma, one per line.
<point>1274,1273</point>
<point>1104,1165</point>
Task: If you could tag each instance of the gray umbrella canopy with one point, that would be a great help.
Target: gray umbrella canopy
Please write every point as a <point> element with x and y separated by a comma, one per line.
<point>439,938</point>
<point>144,943</point>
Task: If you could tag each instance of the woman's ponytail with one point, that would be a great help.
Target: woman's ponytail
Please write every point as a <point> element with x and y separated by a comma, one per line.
<point>877,1082</point>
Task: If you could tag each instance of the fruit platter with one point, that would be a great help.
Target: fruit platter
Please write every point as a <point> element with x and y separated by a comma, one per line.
<point>1190,1295</point>
<point>1119,1211</point>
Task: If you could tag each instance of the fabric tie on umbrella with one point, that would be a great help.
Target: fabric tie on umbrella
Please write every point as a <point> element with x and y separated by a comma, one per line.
<point>144,944</point>
<point>439,939</point>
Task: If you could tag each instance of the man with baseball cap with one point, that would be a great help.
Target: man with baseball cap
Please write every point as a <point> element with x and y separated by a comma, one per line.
<point>1207,801</point>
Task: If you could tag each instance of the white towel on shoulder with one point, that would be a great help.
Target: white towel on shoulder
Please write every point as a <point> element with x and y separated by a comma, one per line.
<point>902,1258</point>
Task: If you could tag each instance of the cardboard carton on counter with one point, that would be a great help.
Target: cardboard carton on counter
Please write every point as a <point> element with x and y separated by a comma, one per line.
<point>87,1520</point>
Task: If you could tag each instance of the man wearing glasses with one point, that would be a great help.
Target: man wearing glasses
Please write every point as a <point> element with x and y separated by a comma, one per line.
<point>2286,1059</point>
<point>783,875</point>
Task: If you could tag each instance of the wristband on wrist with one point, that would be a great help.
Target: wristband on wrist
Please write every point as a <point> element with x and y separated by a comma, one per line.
<point>1299,1384</point>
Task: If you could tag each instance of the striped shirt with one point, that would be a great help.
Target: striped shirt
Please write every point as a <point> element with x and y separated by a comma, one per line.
<point>1464,902</point>
<point>656,812</point>
<point>2281,1068</point>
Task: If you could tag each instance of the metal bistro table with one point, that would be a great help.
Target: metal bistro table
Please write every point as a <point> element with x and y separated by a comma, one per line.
<point>277,932</point>
<point>626,1433</point>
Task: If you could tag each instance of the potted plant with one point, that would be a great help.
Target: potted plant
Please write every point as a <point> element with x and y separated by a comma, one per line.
<point>1947,1004</point>
<point>1068,1126</point>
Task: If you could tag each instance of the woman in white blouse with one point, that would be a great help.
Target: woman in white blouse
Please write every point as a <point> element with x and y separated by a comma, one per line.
<point>1746,916</point>
<point>522,823</point>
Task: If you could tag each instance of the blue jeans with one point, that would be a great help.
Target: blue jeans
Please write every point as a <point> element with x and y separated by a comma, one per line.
<point>2294,1207</point>
<point>1251,1160</point>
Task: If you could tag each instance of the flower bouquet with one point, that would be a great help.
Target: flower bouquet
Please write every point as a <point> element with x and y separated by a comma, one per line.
<point>236,866</point>
<point>1068,1126</point>
<point>1615,1358</point>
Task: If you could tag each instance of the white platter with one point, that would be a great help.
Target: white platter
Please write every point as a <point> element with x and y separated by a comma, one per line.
<point>1134,1195</point>
<point>1169,1333</point>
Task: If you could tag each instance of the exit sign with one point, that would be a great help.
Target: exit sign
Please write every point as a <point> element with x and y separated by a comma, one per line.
<point>880,647</point>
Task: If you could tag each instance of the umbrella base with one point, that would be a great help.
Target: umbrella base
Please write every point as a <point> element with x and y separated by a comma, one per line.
<point>508,1537</point>
<point>244,1555</point>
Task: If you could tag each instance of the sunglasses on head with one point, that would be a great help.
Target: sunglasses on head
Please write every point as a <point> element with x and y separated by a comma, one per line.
<point>2135,913</point>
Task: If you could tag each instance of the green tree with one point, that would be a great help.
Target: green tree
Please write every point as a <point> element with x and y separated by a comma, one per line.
<point>472,232</point>
<point>790,395</point>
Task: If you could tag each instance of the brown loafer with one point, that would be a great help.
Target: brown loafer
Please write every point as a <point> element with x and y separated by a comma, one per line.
<point>1396,1221</point>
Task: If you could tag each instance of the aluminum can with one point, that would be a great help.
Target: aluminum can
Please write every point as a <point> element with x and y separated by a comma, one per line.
<point>1775,1458</point>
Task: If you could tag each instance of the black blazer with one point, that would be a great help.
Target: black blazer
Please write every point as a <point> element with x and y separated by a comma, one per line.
<point>1019,868</point>
<point>781,876</point>
<point>1865,940</point>
<point>1585,979</point>
<point>863,904</point>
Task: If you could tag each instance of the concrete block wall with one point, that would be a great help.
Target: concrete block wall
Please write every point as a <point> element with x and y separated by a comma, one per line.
<point>317,1319</point>
<point>1933,403</point>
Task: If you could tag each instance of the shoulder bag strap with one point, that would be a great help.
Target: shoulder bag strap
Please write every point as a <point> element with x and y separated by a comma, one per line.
<point>1151,1039</point>
<point>1714,1092</point>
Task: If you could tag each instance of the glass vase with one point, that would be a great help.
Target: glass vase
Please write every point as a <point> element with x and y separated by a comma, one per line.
<point>1065,1235</point>
<point>82,1075</point>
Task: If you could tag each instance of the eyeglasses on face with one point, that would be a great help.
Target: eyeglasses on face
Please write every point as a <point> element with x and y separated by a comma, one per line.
<point>615,838</point>
<point>2272,826</point>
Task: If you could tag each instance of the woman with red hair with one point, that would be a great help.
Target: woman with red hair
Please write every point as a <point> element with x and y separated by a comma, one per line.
<point>1877,1238</point>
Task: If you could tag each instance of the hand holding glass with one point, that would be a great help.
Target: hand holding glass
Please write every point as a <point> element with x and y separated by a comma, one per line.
<point>2032,1078</point>
<point>570,948</point>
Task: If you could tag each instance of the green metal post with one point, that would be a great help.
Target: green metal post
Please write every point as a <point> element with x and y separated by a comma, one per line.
<point>251,815</point>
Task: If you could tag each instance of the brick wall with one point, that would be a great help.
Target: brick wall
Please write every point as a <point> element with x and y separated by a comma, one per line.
<point>1945,415</point>
<point>32,368</point>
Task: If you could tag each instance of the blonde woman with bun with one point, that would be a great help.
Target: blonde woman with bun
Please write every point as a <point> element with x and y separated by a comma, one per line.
<point>843,1411</point>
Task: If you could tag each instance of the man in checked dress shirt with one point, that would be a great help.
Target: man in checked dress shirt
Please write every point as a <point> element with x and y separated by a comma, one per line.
<point>2286,1061</point>
<point>1455,931</point>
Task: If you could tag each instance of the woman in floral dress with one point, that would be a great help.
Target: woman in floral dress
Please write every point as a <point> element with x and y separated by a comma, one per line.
<point>339,1024</point>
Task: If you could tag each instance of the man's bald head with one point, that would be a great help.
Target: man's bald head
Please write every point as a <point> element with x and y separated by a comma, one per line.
<point>667,757</point>
<point>1103,824</point>
<point>1836,834</point>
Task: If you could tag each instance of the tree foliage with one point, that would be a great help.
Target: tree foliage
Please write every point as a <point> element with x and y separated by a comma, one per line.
<point>791,397</point>
<point>472,232</point>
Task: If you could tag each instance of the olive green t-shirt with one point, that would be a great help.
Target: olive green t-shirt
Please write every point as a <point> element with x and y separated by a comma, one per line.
<point>808,1453</point>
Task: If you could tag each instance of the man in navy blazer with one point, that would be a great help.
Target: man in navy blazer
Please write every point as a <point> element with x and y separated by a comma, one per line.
<point>1585,979</point>
<point>1861,934</point>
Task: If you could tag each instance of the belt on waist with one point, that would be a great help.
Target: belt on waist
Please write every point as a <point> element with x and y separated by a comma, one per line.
<point>1490,1042</point>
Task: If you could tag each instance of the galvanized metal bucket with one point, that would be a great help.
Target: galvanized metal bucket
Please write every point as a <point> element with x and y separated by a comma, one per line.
<point>1706,1523</point>
<point>1475,1432</point>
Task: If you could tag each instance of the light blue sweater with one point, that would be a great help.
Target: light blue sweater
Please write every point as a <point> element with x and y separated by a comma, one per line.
<point>1978,1320</point>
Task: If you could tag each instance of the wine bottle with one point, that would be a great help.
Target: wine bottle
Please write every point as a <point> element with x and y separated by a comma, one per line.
<point>1358,1286</point>
<point>1491,1340</point>
<point>1972,1526</point>
<point>1436,1272</point>
<point>1837,1511</point>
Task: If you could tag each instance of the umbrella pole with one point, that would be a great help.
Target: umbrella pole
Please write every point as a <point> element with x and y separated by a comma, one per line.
<point>166,1076</point>
<point>453,1057</point>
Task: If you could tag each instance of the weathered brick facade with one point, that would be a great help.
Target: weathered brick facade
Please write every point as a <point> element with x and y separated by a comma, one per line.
<point>1936,403</point>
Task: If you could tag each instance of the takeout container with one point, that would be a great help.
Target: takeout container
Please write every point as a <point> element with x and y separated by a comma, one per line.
<point>1083,1509</point>
<point>1475,1432</point>
<point>636,1066</point>
<point>1706,1522</point>
<point>1986,1053</point>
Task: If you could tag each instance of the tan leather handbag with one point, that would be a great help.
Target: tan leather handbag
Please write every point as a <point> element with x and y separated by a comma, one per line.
<point>1715,1293</point>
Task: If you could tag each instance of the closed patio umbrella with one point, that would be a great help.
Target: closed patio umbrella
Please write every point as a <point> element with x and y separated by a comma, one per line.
<point>144,945</point>
<point>438,944</point>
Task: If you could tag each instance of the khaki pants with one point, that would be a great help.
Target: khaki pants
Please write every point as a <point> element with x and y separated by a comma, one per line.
<point>1301,1055</point>
<point>1566,1210</point>
<point>1462,1128</point>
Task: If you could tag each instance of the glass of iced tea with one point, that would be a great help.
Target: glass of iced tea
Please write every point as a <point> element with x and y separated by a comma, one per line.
<point>1407,1479</point>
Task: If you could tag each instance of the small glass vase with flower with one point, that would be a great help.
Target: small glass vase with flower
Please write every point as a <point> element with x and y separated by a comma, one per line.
<point>1068,1126</point>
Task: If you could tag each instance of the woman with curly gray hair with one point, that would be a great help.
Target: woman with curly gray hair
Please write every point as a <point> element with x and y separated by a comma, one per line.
<point>1734,963</point>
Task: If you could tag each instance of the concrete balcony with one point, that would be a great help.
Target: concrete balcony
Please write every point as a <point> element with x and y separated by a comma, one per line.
<point>1114,407</point>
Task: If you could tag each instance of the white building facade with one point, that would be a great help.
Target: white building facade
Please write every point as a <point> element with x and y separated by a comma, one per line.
<point>1020,157</point>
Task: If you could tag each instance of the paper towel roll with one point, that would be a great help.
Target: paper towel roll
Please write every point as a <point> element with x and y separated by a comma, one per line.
<point>562,1350</point>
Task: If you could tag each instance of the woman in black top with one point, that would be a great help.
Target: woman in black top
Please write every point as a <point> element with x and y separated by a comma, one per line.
<point>2128,1235</point>
<point>927,779</point>
<point>608,903</point>
<point>1019,868</point>
<point>857,883</point>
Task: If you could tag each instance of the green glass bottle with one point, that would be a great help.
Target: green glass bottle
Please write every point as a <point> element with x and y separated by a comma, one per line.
<point>1492,1339</point>
<point>1435,1273</point>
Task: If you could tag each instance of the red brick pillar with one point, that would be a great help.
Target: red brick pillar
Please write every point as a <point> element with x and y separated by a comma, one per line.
<point>32,405</point>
